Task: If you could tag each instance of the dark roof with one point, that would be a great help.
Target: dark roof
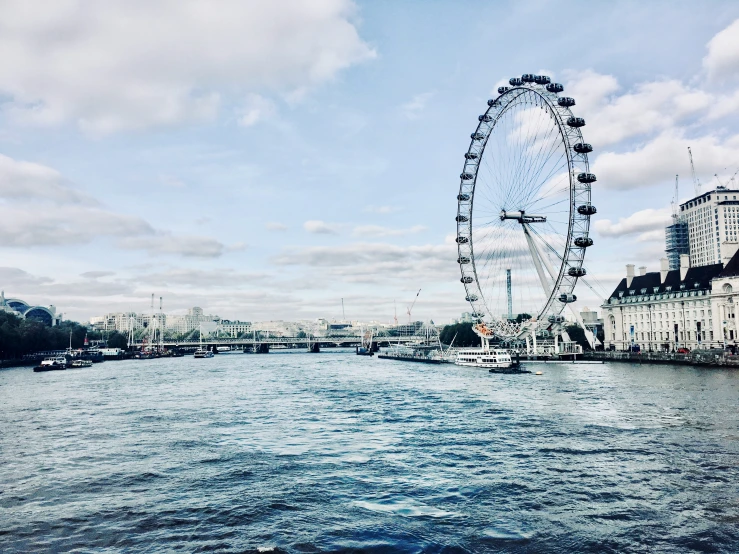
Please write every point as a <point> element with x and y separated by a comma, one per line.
<point>732,268</point>
<point>701,275</point>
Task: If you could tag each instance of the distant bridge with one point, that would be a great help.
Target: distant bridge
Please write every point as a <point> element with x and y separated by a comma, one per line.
<point>289,342</point>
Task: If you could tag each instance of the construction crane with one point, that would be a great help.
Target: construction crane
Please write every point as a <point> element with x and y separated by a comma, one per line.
<point>410,308</point>
<point>732,177</point>
<point>674,203</point>
<point>696,182</point>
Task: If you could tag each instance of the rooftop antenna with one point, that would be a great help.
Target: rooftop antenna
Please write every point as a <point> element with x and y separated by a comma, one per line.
<point>410,308</point>
<point>343,315</point>
<point>696,182</point>
<point>674,202</point>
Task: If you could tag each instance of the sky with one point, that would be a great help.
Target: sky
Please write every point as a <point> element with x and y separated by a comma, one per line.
<point>265,160</point>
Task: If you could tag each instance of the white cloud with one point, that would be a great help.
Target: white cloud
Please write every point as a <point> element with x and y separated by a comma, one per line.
<point>320,227</point>
<point>255,109</point>
<point>165,243</point>
<point>275,226</point>
<point>722,60</point>
<point>659,160</point>
<point>379,231</point>
<point>649,108</point>
<point>649,224</point>
<point>23,225</point>
<point>39,208</point>
<point>417,105</point>
<point>20,180</point>
<point>123,65</point>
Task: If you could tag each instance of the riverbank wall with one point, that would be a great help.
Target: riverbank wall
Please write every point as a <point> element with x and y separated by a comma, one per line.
<point>710,358</point>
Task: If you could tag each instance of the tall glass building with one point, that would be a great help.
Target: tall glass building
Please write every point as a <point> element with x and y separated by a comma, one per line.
<point>677,242</point>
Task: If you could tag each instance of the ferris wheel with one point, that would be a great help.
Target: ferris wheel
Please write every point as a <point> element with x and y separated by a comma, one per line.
<point>524,208</point>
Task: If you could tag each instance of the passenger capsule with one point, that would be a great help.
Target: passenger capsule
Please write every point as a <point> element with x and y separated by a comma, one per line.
<point>463,260</point>
<point>528,77</point>
<point>466,176</point>
<point>586,178</point>
<point>485,117</point>
<point>566,102</point>
<point>583,242</point>
<point>471,298</point>
<point>576,272</point>
<point>462,218</point>
<point>477,315</point>
<point>555,87</point>
<point>471,156</point>
<point>462,240</point>
<point>515,82</point>
<point>582,148</point>
<point>477,136</point>
<point>542,80</point>
<point>567,298</point>
<point>492,102</point>
<point>467,280</point>
<point>575,122</point>
<point>586,209</point>
<point>501,90</point>
<point>556,319</point>
<point>463,197</point>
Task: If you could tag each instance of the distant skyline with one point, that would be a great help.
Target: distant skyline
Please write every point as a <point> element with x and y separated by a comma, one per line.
<point>264,160</point>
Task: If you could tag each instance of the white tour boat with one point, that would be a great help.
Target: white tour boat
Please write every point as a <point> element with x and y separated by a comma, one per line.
<point>484,356</point>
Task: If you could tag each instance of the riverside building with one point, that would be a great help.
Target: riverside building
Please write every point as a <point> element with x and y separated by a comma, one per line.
<point>691,307</point>
<point>712,218</point>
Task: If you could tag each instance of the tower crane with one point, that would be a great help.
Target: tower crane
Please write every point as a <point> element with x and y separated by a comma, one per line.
<point>696,182</point>
<point>410,308</point>
<point>674,202</point>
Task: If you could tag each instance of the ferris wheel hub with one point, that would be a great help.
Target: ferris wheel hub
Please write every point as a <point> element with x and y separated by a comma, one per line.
<point>522,217</point>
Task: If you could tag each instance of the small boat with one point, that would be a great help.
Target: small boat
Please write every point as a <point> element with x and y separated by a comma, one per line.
<point>201,353</point>
<point>56,363</point>
<point>81,363</point>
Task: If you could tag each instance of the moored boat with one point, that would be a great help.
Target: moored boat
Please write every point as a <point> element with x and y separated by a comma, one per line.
<point>202,353</point>
<point>56,363</point>
<point>81,363</point>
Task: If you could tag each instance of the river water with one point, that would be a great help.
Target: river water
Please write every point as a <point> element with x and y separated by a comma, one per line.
<point>332,452</point>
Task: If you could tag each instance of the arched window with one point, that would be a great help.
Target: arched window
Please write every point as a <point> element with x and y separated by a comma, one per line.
<point>727,288</point>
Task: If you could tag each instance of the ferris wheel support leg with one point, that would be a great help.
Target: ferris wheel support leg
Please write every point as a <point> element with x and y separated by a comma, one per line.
<point>545,284</point>
<point>532,246</point>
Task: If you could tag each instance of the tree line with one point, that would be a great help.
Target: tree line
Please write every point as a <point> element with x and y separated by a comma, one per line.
<point>19,336</point>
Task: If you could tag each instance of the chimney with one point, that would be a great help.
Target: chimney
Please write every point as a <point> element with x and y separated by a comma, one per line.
<point>629,274</point>
<point>642,270</point>
<point>684,265</point>
<point>664,267</point>
<point>728,249</point>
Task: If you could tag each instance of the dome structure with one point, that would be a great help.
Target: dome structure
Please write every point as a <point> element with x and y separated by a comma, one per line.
<point>44,314</point>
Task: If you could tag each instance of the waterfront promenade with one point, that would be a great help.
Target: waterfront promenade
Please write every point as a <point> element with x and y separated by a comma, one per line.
<point>345,453</point>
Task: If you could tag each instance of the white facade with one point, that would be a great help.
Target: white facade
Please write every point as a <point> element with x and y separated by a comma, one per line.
<point>669,310</point>
<point>712,218</point>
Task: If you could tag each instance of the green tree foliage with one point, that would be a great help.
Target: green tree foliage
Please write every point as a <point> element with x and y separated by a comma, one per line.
<point>117,340</point>
<point>20,336</point>
<point>465,335</point>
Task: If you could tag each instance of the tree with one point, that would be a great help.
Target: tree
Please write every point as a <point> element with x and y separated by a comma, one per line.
<point>117,340</point>
<point>465,336</point>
